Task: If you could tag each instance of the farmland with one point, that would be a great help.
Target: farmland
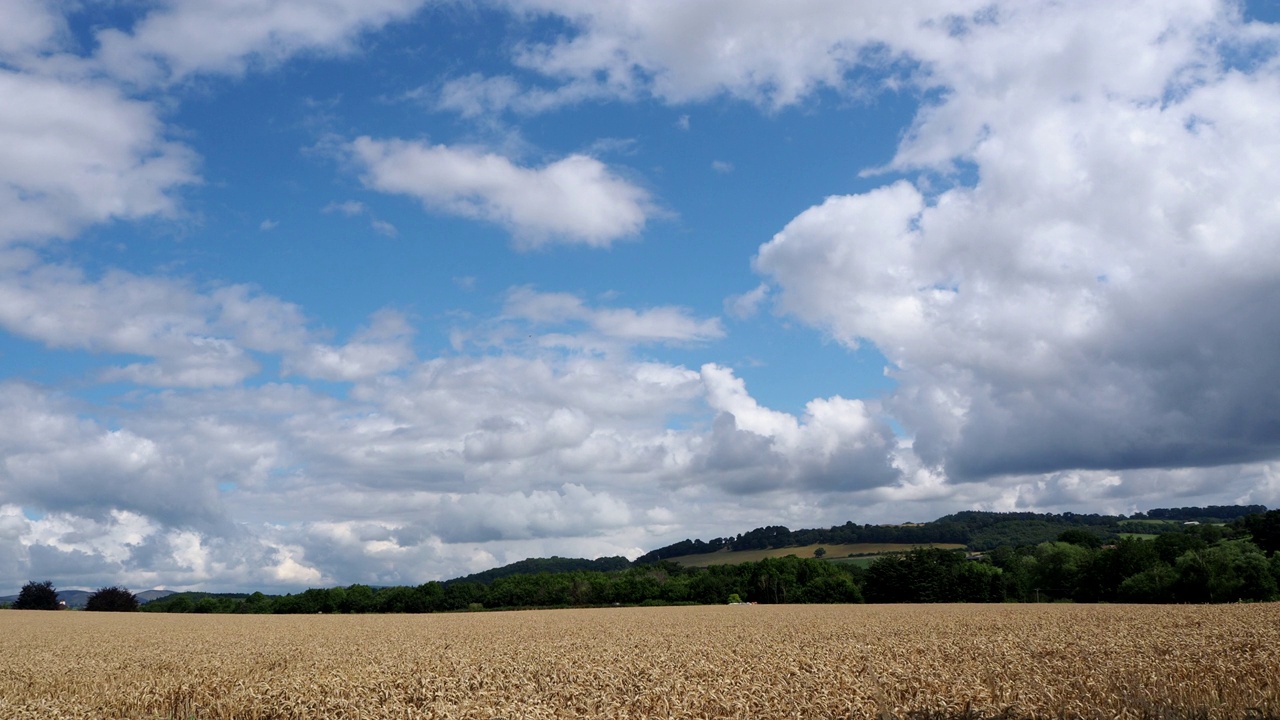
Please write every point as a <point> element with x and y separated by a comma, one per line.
<point>834,551</point>
<point>689,662</point>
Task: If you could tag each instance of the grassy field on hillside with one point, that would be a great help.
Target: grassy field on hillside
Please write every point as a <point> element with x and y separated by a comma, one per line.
<point>731,557</point>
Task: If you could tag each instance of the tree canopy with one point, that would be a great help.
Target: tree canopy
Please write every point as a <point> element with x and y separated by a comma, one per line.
<point>37,596</point>
<point>112,599</point>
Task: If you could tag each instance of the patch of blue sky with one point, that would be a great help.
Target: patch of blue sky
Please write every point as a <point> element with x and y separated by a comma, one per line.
<point>281,209</point>
<point>1267,11</point>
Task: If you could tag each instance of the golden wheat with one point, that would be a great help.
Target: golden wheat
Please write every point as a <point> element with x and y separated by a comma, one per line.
<point>705,662</point>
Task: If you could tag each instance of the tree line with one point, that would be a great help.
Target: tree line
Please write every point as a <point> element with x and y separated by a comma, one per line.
<point>1084,563</point>
<point>977,530</point>
<point>44,596</point>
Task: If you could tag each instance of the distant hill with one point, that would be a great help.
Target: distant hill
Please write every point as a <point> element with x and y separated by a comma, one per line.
<point>863,552</point>
<point>553,564</point>
<point>976,530</point>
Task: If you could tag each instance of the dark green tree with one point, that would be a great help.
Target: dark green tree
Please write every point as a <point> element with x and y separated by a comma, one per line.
<point>1153,585</point>
<point>1058,566</point>
<point>1172,546</point>
<point>1080,536</point>
<point>112,599</point>
<point>1265,529</point>
<point>37,596</point>
<point>1227,572</point>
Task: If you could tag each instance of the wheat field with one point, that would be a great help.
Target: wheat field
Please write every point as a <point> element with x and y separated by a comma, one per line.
<point>689,662</point>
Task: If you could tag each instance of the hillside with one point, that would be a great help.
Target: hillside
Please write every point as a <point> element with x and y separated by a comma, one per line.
<point>973,529</point>
<point>552,564</point>
<point>832,553</point>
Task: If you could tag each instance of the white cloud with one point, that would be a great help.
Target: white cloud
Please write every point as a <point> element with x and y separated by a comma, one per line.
<point>58,462</point>
<point>659,324</point>
<point>747,304</point>
<point>576,199</point>
<point>28,27</point>
<point>350,208</point>
<point>763,52</point>
<point>1096,300</point>
<point>181,38</point>
<point>380,348</point>
<point>722,167</point>
<point>838,445</point>
<point>268,225</point>
<point>476,96</point>
<point>193,338</point>
<point>572,510</point>
<point>382,227</point>
<point>77,153</point>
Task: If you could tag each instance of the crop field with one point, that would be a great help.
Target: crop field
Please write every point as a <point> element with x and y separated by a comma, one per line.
<point>940,661</point>
<point>729,557</point>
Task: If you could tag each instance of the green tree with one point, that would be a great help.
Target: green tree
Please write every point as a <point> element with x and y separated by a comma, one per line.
<point>1058,567</point>
<point>1227,572</point>
<point>1172,546</point>
<point>1265,529</point>
<point>1153,585</point>
<point>1081,537</point>
<point>255,604</point>
<point>831,589</point>
<point>112,599</point>
<point>1103,572</point>
<point>820,552</point>
<point>37,596</point>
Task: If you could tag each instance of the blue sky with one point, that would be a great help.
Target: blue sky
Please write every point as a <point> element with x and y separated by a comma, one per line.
<point>298,293</point>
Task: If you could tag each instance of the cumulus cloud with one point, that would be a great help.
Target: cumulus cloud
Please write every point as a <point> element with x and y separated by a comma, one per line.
<point>182,38</point>
<point>29,27</point>
<point>770,54</point>
<point>838,445</point>
<point>59,462</point>
<point>1096,299</point>
<point>194,338</point>
<point>576,199</point>
<point>572,510</point>
<point>398,482</point>
<point>74,153</point>
<point>381,347</point>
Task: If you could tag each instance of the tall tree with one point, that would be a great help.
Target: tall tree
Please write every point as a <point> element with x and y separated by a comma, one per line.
<point>112,599</point>
<point>37,596</point>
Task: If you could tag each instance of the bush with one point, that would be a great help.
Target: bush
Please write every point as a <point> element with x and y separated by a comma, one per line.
<point>37,596</point>
<point>112,599</point>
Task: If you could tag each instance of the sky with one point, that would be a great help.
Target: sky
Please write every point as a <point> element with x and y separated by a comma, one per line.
<point>302,293</point>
